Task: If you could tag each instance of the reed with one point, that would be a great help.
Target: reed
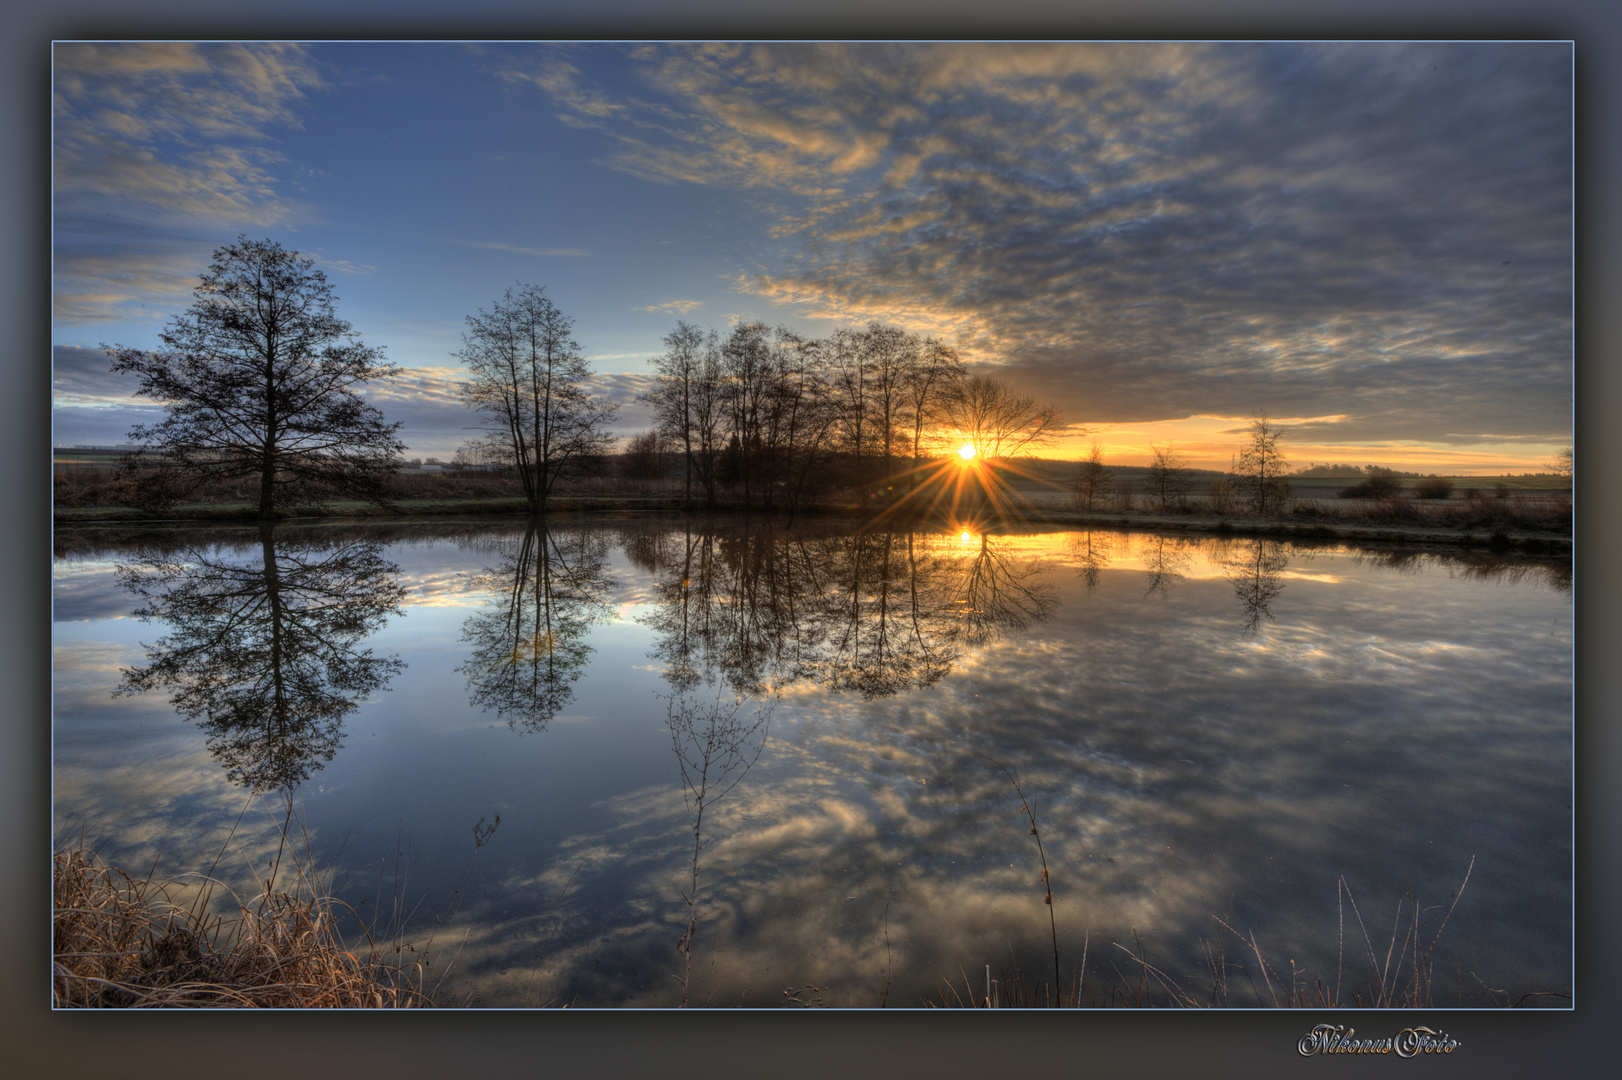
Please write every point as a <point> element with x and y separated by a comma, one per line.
<point>126,942</point>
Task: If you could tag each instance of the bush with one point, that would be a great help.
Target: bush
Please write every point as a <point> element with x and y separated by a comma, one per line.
<point>1434,487</point>
<point>1375,487</point>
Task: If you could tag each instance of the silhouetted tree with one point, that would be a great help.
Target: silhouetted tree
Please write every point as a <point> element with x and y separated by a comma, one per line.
<point>988,414</point>
<point>1092,480</point>
<point>688,405</point>
<point>258,379</point>
<point>531,383</point>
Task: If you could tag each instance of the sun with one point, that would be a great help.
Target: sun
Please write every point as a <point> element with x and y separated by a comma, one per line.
<point>965,452</point>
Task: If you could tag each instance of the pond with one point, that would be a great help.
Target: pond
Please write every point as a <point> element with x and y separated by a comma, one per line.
<point>731,763</point>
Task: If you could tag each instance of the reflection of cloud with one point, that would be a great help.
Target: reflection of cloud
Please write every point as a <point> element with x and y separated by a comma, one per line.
<point>1178,769</point>
<point>1150,231</point>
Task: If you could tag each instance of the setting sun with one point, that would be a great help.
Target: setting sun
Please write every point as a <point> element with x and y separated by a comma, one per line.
<point>966,452</point>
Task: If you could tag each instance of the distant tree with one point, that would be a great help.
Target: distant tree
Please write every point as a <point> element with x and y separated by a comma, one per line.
<point>258,379</point>
<point>1092,480</point>
<point>1562,463</point>
<point>1167,481</point>
<point>644,456</point>
<point>531,383</point>
<point>1375,487</point>
<point>1261,468</point>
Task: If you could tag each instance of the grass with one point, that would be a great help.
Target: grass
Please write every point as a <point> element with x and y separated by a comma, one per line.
<point>126,942</point>
<point>1402,976</point>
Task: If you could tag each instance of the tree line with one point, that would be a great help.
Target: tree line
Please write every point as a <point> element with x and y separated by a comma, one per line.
<point>259,379</point>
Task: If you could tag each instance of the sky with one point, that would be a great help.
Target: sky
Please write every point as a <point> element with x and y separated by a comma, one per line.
<point>1368,243</point>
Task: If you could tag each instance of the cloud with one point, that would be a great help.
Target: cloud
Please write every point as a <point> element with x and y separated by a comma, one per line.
<point>521,250</point>
<point>1148,231</point>
<point>157,149</point>
<point>674,307</point>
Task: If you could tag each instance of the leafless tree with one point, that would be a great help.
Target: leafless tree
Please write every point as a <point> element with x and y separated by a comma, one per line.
<point>1092,480</point>
<point>1168,480</point>
<point>988,414</point>
<point>688,403</point>
<point>258,379</point>
<point>531,383</point>
<point>1261,466</point>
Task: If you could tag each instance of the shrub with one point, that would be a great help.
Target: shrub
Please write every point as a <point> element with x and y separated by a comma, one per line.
<point>1434,487</point>
<point>1375,487</point>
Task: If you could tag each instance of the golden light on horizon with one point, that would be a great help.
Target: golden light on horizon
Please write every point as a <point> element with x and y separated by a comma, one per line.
<point>965,452</point>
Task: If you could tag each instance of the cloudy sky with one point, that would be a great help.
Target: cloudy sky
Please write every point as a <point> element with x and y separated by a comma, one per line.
<point>1371,243</point>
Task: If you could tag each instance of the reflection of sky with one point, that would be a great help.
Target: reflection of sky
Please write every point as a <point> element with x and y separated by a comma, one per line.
<point>1381,726</point>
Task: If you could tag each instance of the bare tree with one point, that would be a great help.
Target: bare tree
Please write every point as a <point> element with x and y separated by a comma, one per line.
<point>1261,466</point>
<point>1092,479</point>
<point>936,370</point>
<point>1168,480</point>
<point>687,403</point>
<point>530,382</point>
<point>644,456</point>
<point>259,379</point>
<point>988,414</point>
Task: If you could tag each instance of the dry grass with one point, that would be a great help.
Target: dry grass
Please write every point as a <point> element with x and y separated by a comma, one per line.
<point>122,942</point>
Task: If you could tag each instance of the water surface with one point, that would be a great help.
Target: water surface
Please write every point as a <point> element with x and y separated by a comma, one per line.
<point>1204,729</point>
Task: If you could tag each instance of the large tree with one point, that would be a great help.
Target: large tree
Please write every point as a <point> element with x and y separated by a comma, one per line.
<point>531,383</point>
<point>258,379</point>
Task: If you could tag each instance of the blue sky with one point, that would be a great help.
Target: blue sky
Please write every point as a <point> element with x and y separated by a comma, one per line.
<point>1370,243</point>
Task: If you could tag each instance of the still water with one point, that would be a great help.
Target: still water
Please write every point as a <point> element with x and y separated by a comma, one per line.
<point>536,743</point>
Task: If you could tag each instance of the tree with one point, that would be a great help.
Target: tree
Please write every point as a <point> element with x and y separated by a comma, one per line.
<point>1562,463</point>
<point>687,403</point>
<point>937,368</point>
<point>1167,480</point>
<point>988,414</point>
<point>1261,468</point>
<point>258,378</point>
<point>530,382</point>
<point>1092,480</point>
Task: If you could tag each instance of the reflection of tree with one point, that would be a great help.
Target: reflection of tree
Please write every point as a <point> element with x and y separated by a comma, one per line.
<point>264,654</point>
<point>1164,560</point>
<point>1256,573</point>
<point>529,643</point>
<point>715,744</point>
<point>995,593</point>
<point>1092,553</point>
<point>883,620</point>
<point>873,613</point>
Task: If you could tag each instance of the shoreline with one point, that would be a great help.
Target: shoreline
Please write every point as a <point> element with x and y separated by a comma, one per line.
<point>1500,539</point>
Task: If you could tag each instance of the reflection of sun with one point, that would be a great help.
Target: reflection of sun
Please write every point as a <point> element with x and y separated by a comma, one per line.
<point>966,536</point>
<point>966,452</point>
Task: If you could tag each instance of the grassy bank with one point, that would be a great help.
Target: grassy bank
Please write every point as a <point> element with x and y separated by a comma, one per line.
<point>123,942</point>
<point>1531,521</point>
